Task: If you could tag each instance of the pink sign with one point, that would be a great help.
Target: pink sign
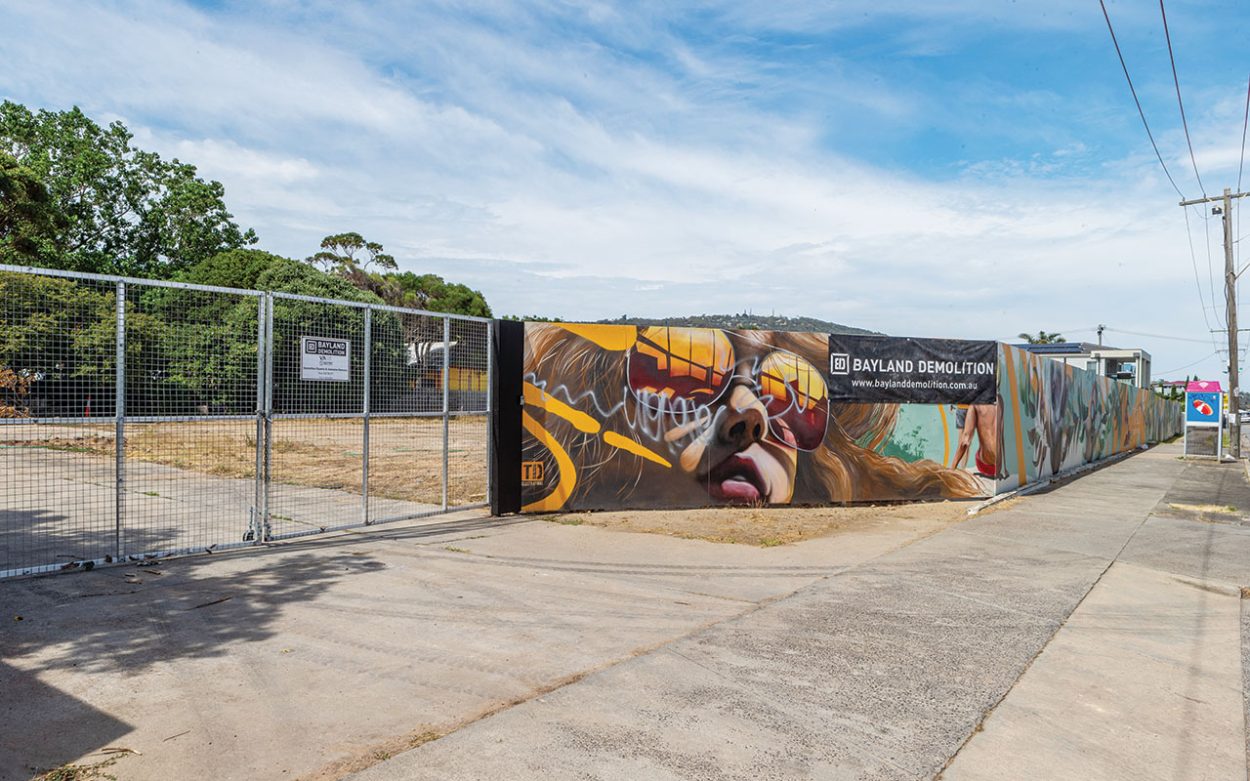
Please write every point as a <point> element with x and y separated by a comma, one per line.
<point>1203,386</point>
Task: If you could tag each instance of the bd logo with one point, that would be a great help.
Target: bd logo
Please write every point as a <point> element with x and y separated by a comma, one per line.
<point>839,363</point>
<point>532,471</point>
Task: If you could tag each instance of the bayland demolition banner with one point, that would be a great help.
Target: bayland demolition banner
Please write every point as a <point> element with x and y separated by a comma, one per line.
<point>903,369</point>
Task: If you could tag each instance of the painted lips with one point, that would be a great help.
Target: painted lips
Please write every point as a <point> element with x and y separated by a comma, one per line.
<point>737,480</point>
<point>1202,407</point>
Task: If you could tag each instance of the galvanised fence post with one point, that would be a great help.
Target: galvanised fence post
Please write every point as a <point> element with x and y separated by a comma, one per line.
<point>119,425</point>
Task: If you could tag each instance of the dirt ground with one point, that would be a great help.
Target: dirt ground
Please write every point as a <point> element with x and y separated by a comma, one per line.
<point>772,526</point>
<point>405,454</point>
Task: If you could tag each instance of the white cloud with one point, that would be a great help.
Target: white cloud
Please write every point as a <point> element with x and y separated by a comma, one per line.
<point>618,166</point>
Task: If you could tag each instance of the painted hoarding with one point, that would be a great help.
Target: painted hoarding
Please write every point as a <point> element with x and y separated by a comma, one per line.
<point>619,416</point>
<point>1057,417</point>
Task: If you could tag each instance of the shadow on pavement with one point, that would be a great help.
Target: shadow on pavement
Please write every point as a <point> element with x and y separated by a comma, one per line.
<point>124,620</point>
<point>70,729</point>
<point>130,617</point>
<point>36,537</point>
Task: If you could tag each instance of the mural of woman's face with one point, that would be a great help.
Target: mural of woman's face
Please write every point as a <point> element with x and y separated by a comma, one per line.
<point>734,412</point>
<point>623,415</point>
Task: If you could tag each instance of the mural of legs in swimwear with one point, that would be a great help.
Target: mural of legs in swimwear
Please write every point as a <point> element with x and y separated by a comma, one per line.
<point>982,420</point>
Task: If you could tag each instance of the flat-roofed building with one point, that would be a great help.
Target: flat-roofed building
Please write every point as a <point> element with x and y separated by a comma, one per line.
<point>1123,365</point>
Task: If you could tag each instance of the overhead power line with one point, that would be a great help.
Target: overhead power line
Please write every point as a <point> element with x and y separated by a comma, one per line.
<point>1176,80</point>
<point>1206,232</point>
<point>1156,336</point>
<point>1241,163</point>
<point>1189,365</point>
<point>1245,121</point>
<point>1225,210</point>
<point>1133,90</point>
<point>1193,256</point>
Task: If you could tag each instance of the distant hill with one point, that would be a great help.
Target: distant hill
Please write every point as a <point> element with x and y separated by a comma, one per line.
<point>746,321</point>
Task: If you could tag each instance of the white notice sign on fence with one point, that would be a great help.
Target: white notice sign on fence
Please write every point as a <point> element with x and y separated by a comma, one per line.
<point>325,360</point>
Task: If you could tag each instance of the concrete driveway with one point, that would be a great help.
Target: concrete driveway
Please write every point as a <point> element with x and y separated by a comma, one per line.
<point>312,659</point>
<point>1092,631</point>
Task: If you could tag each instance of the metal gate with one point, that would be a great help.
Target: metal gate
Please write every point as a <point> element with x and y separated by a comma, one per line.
<point>144,418</point>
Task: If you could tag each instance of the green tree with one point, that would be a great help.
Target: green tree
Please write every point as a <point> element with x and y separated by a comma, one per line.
<point>206,354</point>
<point>118,209</point>
<point>60,336</point>
<point>296,318</point>
<point>1041,337</point>
<point>289,276</point>
<point>346,252</point>
<point>29,223</point>
<point>239,268</point>
<point>433,293</point>
<point>349,255</point>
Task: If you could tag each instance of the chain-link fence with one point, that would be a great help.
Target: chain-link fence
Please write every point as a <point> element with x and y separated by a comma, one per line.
<point>143,418</point>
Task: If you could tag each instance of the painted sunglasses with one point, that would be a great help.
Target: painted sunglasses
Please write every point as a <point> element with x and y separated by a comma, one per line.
<point>686,368</point>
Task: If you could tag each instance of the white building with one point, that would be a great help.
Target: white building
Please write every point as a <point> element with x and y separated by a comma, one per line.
<point>1131,366</point>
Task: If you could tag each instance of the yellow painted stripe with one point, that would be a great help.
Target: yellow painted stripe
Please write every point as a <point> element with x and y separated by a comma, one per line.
<point>946,437</point>
<point>536,397</point>
<point>568,473</point>
<point>617,338</point>
<point>624,443</point>
<point>1021,470</point>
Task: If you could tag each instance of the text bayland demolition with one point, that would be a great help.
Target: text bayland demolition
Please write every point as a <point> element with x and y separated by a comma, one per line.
<point>908,366</point>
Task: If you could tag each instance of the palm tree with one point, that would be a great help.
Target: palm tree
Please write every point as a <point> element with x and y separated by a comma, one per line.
<point>1043,338</point>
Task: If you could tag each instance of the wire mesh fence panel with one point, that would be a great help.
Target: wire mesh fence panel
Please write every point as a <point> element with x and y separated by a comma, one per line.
<point>405,415</point>
<point>58,361</point>
<point>407,363</point>
<point>140,417</point>
<point>405,467</point>
<point>468,381</point>
<point>468,366</point>
<point>316,449</point>
<point>188,485</point>
<point>467,460</point>
<point>315,475</point>
<point>191,382</point>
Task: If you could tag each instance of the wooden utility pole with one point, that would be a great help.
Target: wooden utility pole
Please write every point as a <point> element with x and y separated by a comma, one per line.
<point>1230,305</point>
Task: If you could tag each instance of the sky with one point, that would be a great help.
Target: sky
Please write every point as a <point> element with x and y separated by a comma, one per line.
<point>954,168</point>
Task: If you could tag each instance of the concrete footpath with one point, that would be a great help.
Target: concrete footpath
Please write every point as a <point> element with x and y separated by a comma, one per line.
<point>315,658</point>
<point>1093,631</point>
